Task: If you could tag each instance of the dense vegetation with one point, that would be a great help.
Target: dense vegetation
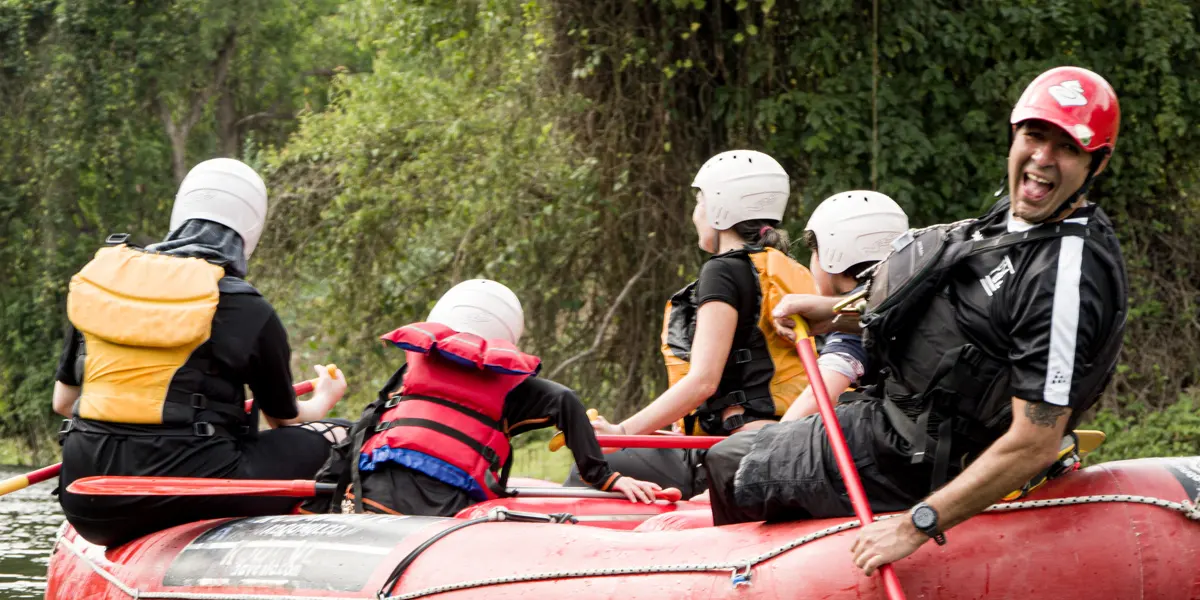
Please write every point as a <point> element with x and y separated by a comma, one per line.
<point>549,144</point>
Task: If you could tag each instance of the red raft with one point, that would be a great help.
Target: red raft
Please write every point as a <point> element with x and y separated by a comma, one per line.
<point>1118,530</point>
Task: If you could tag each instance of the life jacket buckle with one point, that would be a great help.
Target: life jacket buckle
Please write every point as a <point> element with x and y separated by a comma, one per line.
<point>383,426</point>
<point>918,457</point>
<point>393,401</point>
<point>67,426</point>
<point>116,239</point>
<point>491,457</point>
<point>204,429</point>
<point>199,401</point>
<point>742,356</point>
<point>733,423</point>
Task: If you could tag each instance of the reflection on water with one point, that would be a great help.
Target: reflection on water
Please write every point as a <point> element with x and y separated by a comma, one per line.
<point>28,520</point>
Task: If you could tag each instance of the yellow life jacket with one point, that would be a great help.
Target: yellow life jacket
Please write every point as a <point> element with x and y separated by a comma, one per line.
<point>141,315</point>
<point>766,376</point>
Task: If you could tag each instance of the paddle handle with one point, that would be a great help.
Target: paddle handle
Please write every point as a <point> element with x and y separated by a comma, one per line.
<point>307,386</point>
<point>841,451</point>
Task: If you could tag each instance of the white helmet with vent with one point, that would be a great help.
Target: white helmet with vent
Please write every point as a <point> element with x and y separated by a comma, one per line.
<point>742,185</point>
<point>855,227</point>
<point>225,191</point>
<point>483,307</point>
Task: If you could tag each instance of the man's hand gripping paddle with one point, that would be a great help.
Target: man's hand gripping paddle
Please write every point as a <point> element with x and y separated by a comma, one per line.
<point>845,462</point>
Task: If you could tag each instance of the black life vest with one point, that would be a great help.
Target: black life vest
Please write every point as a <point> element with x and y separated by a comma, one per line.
<point>766,375</point>
<point>941,390</point>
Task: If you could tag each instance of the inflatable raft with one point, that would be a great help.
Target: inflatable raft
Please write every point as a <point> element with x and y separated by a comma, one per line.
<point>1119,530</point>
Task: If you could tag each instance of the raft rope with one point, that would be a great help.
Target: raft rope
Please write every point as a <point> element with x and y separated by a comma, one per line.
<point>741,572</point>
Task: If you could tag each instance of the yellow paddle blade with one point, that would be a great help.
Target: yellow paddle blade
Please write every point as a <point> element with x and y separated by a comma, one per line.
<point>1089,440</point>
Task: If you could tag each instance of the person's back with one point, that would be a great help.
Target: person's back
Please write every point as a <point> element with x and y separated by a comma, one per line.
<point>727,368</point>
<point>437,438</point>
<point>162,345</point>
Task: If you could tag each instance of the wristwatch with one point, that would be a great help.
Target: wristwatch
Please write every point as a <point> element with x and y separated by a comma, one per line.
<point>925,519</point>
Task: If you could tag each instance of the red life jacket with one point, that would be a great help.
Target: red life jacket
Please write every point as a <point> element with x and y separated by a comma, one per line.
<point>450,406</point>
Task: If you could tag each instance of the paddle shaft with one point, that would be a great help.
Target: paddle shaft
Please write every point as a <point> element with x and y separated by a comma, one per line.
<point>20,482</point>
<point>702,442</point>
<point>132,485</point>
<point>670,495</point>
<point>117,485</point>
<point>845,462</point>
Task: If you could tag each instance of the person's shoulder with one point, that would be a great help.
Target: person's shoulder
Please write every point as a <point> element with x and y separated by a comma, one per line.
<point>248,309</point>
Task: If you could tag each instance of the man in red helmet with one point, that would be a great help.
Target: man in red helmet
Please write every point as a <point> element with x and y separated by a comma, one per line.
<point>991,337</point>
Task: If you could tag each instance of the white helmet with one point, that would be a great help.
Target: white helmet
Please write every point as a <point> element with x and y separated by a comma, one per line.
<point>483,307</point>
<point>742,185</point>
<point>225,191</point>
<point>855,227</point>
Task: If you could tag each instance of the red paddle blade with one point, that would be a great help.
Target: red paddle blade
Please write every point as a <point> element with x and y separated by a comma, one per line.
<point>194,486</point>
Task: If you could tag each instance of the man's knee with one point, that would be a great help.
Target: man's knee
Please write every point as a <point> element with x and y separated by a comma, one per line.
<point>723,459</point>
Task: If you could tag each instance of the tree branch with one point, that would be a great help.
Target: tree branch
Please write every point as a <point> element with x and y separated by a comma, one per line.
<point>220,73</point>
<point>261,116</point>
<point>608,317</point>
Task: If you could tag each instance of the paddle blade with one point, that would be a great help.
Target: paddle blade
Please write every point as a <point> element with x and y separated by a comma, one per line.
<point>195,486</point>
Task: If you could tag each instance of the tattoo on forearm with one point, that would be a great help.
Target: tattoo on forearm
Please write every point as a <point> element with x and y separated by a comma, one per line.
<point>1044,414</point>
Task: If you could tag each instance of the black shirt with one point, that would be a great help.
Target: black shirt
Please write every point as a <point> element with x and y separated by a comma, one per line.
<point>1048,307</point>
<point>731,278</point>
<point>247,339</point>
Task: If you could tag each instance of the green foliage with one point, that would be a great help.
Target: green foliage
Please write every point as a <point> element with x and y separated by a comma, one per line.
<point>1141,431</point>
<point>549,144</point>
<point>100,100</point>
<point>446,162</point>
<point>671,82</point>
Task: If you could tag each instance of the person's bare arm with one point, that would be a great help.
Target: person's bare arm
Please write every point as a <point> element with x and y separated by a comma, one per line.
<point>806,402</point>
<point>816,310</point>
<point>64,398</point>
<point>1031,443</point>
<point>715,325</point>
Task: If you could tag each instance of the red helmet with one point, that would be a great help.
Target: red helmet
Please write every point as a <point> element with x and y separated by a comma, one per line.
<point>1079,101</point>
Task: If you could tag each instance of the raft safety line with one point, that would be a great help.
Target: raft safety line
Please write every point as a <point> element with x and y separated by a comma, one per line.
<point>741,572</point>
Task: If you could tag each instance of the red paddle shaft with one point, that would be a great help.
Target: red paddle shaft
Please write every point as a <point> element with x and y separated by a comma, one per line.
<point>113,485</point>
<point>858,497</point>
<point>19,482</point>
<point>658,441</point>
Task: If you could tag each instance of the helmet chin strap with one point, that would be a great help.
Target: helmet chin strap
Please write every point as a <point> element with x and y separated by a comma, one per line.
<point>1097,159</point>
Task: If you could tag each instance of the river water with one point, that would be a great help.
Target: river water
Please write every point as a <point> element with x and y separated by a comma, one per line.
<point>28,520</point>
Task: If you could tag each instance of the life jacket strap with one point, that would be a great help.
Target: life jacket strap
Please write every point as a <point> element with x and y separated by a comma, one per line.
<point>488,454</point>
<point>478,416</point>
<point>198,429</point>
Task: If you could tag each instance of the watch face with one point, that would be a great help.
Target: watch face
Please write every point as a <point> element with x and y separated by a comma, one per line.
<point>924,517</point>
